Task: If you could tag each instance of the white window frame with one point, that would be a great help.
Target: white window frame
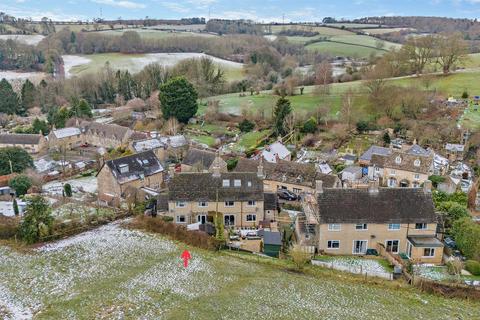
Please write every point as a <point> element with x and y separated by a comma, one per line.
<point>398,245</point>
<point>333,227</point>
<point>423,228</point>
<point>393,172</point>
<point>409,249</point>
<point>360,253</point>
<point>398,160</point>
<point>203,204</point>
<point>177,218</point>
<point>416,176</point>
<point>180,204</point>
<point>394,224</point>
<point>251,203</point>
<point>237,183</point>
<point>251,215</point>
<point>249,183</point>
<point>228,205</point>
<point>225,183</point>
<point>417,163</point>
<point>432,251</point>
<point>330,244</point>
<point>364,226</point>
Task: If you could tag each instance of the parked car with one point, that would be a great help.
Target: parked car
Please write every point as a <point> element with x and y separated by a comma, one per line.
<point>449,242</point>
<point>287,195</point>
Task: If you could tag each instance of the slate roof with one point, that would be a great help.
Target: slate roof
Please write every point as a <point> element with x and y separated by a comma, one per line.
<point>20,138</point>
<point>195,156</point>
<point>367,155</point>
<point>418,151</point>
<point>388,205</point>
<point>407,162</point>
<point>109,131</point>
<point>66,132</point>
<point>174,141</point>
<point>454,147</point>
<point>289,172</point>
<point>138,166</point>
<point>147,144</point>
<point>277,148</point>
<point>205,187</point>
<point>270,201</point>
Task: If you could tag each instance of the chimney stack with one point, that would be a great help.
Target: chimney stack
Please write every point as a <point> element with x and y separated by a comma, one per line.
<point>427,186</point>
<point>260,172</point>
<point>372,186</point>
<point>318,186</point>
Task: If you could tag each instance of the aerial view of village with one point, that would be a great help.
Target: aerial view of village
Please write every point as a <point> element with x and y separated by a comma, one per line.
<point>214,159</point>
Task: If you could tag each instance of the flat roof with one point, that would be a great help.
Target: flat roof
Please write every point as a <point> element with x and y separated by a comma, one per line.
<point>425,241</point>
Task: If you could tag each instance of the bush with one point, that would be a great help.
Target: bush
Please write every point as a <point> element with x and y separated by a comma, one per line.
<point>299,257</point>
<point>467,236</point>
<point>231,164</point>
<point>246,125</point>
<point>8,227</point>
<point>67,190</point>
<point>454,267</point>
<point>167,218</point>
<point>465,95</point>
<point>20,184</point>
<point>473,267</point>
<point>310,126</point>
<point>436,180</point>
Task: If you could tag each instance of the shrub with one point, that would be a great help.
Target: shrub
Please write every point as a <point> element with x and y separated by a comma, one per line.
<point>465,95</point>
<point>231,164</point>
<point>167,218</point>
<point>436,180</point>
<point>67,190</point>
<point>246,125</point>
<point>467,236</point>
<point>8,227</point>
<point>299,257</point>
<point>473,267</point>
<point>454,267</point>
<point>20,184</point>
<point>310,126</point>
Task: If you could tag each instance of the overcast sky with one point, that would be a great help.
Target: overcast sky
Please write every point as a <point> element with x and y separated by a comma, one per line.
<point>258,10</point>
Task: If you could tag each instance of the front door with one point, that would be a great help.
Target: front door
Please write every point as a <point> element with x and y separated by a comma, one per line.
<point>202,218</point>
<point>359,246</point>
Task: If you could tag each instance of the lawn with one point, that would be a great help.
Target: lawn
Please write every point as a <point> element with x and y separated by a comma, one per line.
<point>251,139</point>
<point>308,102</point>
<point>115,273</point>
<point>440,273</point>
<point>323,31</point>
<point>344,49</point>
<point>85,64</point>
<point>207,140</point>
<point>156,34</point>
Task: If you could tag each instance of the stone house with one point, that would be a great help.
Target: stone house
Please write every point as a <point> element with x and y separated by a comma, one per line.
<point>69,137</point>
<point>197,160</point>
<point>142,170</point>
<point>296,177</point>
<point>105,135</point>
<point>455,152</point>
<point>32,143</point>
<point>401,169</point>
<point>195,196</point>
<point>353,221</point>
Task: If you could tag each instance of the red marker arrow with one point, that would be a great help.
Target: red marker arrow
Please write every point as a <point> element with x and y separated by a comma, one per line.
<point>186,256</point>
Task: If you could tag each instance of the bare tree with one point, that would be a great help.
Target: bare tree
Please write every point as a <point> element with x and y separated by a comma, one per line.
<point>418,52</point>
<point>324,76</point>
<point>347,107</point>
<point>450,49</point>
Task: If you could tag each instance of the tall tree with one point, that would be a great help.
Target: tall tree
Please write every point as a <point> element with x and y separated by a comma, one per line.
<point>37,221</point>
<point>8,98</point>
<point>14,159</point>
<point>178,99</point>
<point>280,113</point>
<point>449,50</point>
<point>28,95</point>
<point>80,109</point>
<point>323,76</point>
<point>419,51</point>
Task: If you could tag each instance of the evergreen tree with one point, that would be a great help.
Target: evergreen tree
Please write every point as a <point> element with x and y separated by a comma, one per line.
<point>20,184</point>
<point>67,190</point>
<point>37,221</point>
<point>281,111</point>
<point>178,99</point>
<point>386,138</point>
<point>40,126</point>
<point>8,98</point>
<point>15,207</point>
<point>14,159</point>
<point>80,109</point>
<point>28,94</point>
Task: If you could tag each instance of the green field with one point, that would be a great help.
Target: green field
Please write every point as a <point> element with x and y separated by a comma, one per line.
<point>136,62</point>
<point>116,273</point>
<point>323,31</point>
<point>385,30</point>
<point>308,102</point>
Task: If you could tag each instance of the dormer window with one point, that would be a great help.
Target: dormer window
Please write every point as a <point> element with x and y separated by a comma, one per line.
<point>123,168</point>
<point>237,183</point>
<point>249,183</point>
<point>226,183</point>
<point>398,160</point>
<point>416,163</point>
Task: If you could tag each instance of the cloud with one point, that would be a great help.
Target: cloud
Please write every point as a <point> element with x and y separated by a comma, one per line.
<point>175,6</point>
<point>121,4</point>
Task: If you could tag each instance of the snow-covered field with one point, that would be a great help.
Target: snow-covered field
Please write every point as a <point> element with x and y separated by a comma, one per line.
<point>358,265</point>
<point>116,273</point>
<point>70,61</point>
<point>28,39</point>
<point>81,187</point>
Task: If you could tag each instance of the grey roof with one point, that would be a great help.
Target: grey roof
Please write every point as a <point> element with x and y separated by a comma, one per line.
<point>270,237</point>
<point>454,147</point>
<point>110,131</point>
<point>137,166</point>
<point>147,144</point>
<point>297,173</point>
<point>425,241</point>
<point>352,169</point>
<point>407,162</point>
<point>205,187</point>
<point>418,151</point>
<point>162,203</point>
<point>388,205</point>
<point>350,157</point>
<point>196,156</point>
<point>174,141</point>
<point>367,155</point>
<point>270,201</point>
<point>19,138</point>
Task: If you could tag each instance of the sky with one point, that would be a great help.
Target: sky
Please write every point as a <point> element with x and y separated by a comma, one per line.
<point>257,10</point>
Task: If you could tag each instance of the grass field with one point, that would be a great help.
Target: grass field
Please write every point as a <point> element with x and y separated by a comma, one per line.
<point>308,102</point>
<point>324,31</point>
<point>115,273</point>
<point>385,30</point>
<point>155,34</point>
<point>136,62</point>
